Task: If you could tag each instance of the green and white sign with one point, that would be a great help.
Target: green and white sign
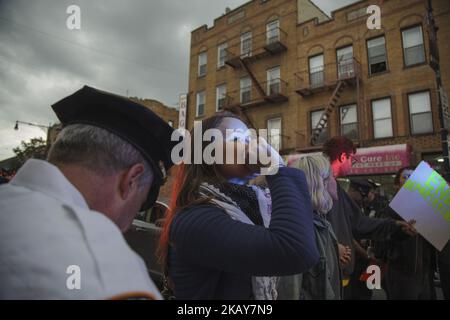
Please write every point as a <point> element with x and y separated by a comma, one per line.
<point>425,198</point>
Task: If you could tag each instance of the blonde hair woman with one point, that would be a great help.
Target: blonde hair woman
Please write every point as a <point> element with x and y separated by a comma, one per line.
<point>323,281</point>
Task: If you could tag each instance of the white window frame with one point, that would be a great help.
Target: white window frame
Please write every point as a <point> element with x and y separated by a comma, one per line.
<point>368,53</point>
<point>270,138</point>
<point>421,44</point>
<point>427,110</point>
<point>313,126</point>
<point>221,60</point>
<point>320,68</point>
<point>246,36</point>
<point>200,64</point>
<point>373,106</point>
<point>273,30</point>
<point>221,93</point>
<point>342,65</point>
<point>344,123</point>
<point>197,104</point>
<point>242,86</point>
<point>273,79</point>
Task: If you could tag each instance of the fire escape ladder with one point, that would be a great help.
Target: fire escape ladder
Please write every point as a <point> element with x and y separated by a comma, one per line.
<point>252,76</point>
<point>331,105</point>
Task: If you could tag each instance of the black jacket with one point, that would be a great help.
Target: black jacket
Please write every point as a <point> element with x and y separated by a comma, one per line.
<point>350,223</point>
<point>413,255</point>
<point>214,257</point>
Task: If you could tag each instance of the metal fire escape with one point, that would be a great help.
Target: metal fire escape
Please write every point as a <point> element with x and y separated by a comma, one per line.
<point>241,54</point>
<point>348,75</point>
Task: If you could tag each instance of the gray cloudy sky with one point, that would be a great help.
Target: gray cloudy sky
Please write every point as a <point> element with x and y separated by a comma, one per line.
<point>137,46</point>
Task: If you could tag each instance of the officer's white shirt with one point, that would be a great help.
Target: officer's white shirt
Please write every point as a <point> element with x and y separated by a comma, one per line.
<point>46,227</point>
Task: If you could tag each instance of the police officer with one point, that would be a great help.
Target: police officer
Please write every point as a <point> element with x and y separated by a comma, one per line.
<point>61,219</point>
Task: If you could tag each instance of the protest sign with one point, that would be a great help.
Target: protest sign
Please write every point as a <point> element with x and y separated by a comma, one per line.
<point>425,198</point>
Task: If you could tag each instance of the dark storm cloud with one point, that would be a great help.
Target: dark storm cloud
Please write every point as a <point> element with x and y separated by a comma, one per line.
<point>139,46</point>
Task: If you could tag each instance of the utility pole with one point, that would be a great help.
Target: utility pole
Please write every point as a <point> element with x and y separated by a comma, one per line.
<point>434,63</point>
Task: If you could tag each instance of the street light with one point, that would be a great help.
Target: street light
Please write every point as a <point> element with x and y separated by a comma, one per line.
<point>40,126</point>
<point>43,127</point>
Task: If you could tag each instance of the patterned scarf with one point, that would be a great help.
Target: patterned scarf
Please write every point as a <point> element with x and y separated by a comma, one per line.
<point>251,205</point>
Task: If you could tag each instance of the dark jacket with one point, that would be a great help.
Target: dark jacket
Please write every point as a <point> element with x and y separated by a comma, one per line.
<point>349,223</point>
<point>414,255</point>
<point>323,281</point>
<point>214,257</point>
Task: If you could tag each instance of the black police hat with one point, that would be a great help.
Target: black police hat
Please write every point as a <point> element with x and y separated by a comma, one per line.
<point>361,185</point>
<point>129,120</point>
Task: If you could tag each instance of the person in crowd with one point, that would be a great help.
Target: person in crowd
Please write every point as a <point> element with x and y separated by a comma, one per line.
<point>323,281</point>
<point>362,192</point>
<point>3,178</point>
<point>444,270</point>
<point>346,218</point>
<point>61,219</point>
<point>217,245</point>
<point>412,262</point>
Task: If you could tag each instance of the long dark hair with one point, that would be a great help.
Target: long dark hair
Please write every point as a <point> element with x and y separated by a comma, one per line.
<point>188,178</point>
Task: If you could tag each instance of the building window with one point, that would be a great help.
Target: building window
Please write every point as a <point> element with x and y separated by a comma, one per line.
<point>202,61</point>
<point>273,32</point>
<point>221,97</point>
<point>344,58</point>
<point>349,121</point>
<point>376,49</point>
<point>413,48</point>
<point>315,118</point>
<point>274,133</point>
<point>382,118</point>
<point>246,44</point>
<point>200,110</point>
<point>420,113</point>
<point>273,81</point>
<point>246,90</point>
<point>221,55</point>
<point>316,71</point>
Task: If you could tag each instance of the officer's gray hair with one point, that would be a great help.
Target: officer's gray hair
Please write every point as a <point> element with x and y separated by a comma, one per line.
<point>98,150</point>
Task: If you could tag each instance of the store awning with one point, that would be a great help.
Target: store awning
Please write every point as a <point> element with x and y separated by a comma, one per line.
<point>375,160</point>
<point>381,160</point>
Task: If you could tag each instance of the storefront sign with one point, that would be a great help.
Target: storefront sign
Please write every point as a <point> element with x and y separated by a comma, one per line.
<point>183,111</point>
<point>425,198</point>
<point>381,160</point>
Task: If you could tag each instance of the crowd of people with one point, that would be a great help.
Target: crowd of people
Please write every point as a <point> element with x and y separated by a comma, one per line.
<point>229,233</point>
<point>6,175</point>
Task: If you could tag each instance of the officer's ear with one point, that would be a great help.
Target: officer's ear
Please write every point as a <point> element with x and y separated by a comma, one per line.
<point>130,179</point>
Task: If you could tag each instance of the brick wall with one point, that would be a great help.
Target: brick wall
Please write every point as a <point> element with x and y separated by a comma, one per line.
<point>346,26</point>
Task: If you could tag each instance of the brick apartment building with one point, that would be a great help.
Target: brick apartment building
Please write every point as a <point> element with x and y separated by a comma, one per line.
<point>170,115</point>
<point>285,64</point>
